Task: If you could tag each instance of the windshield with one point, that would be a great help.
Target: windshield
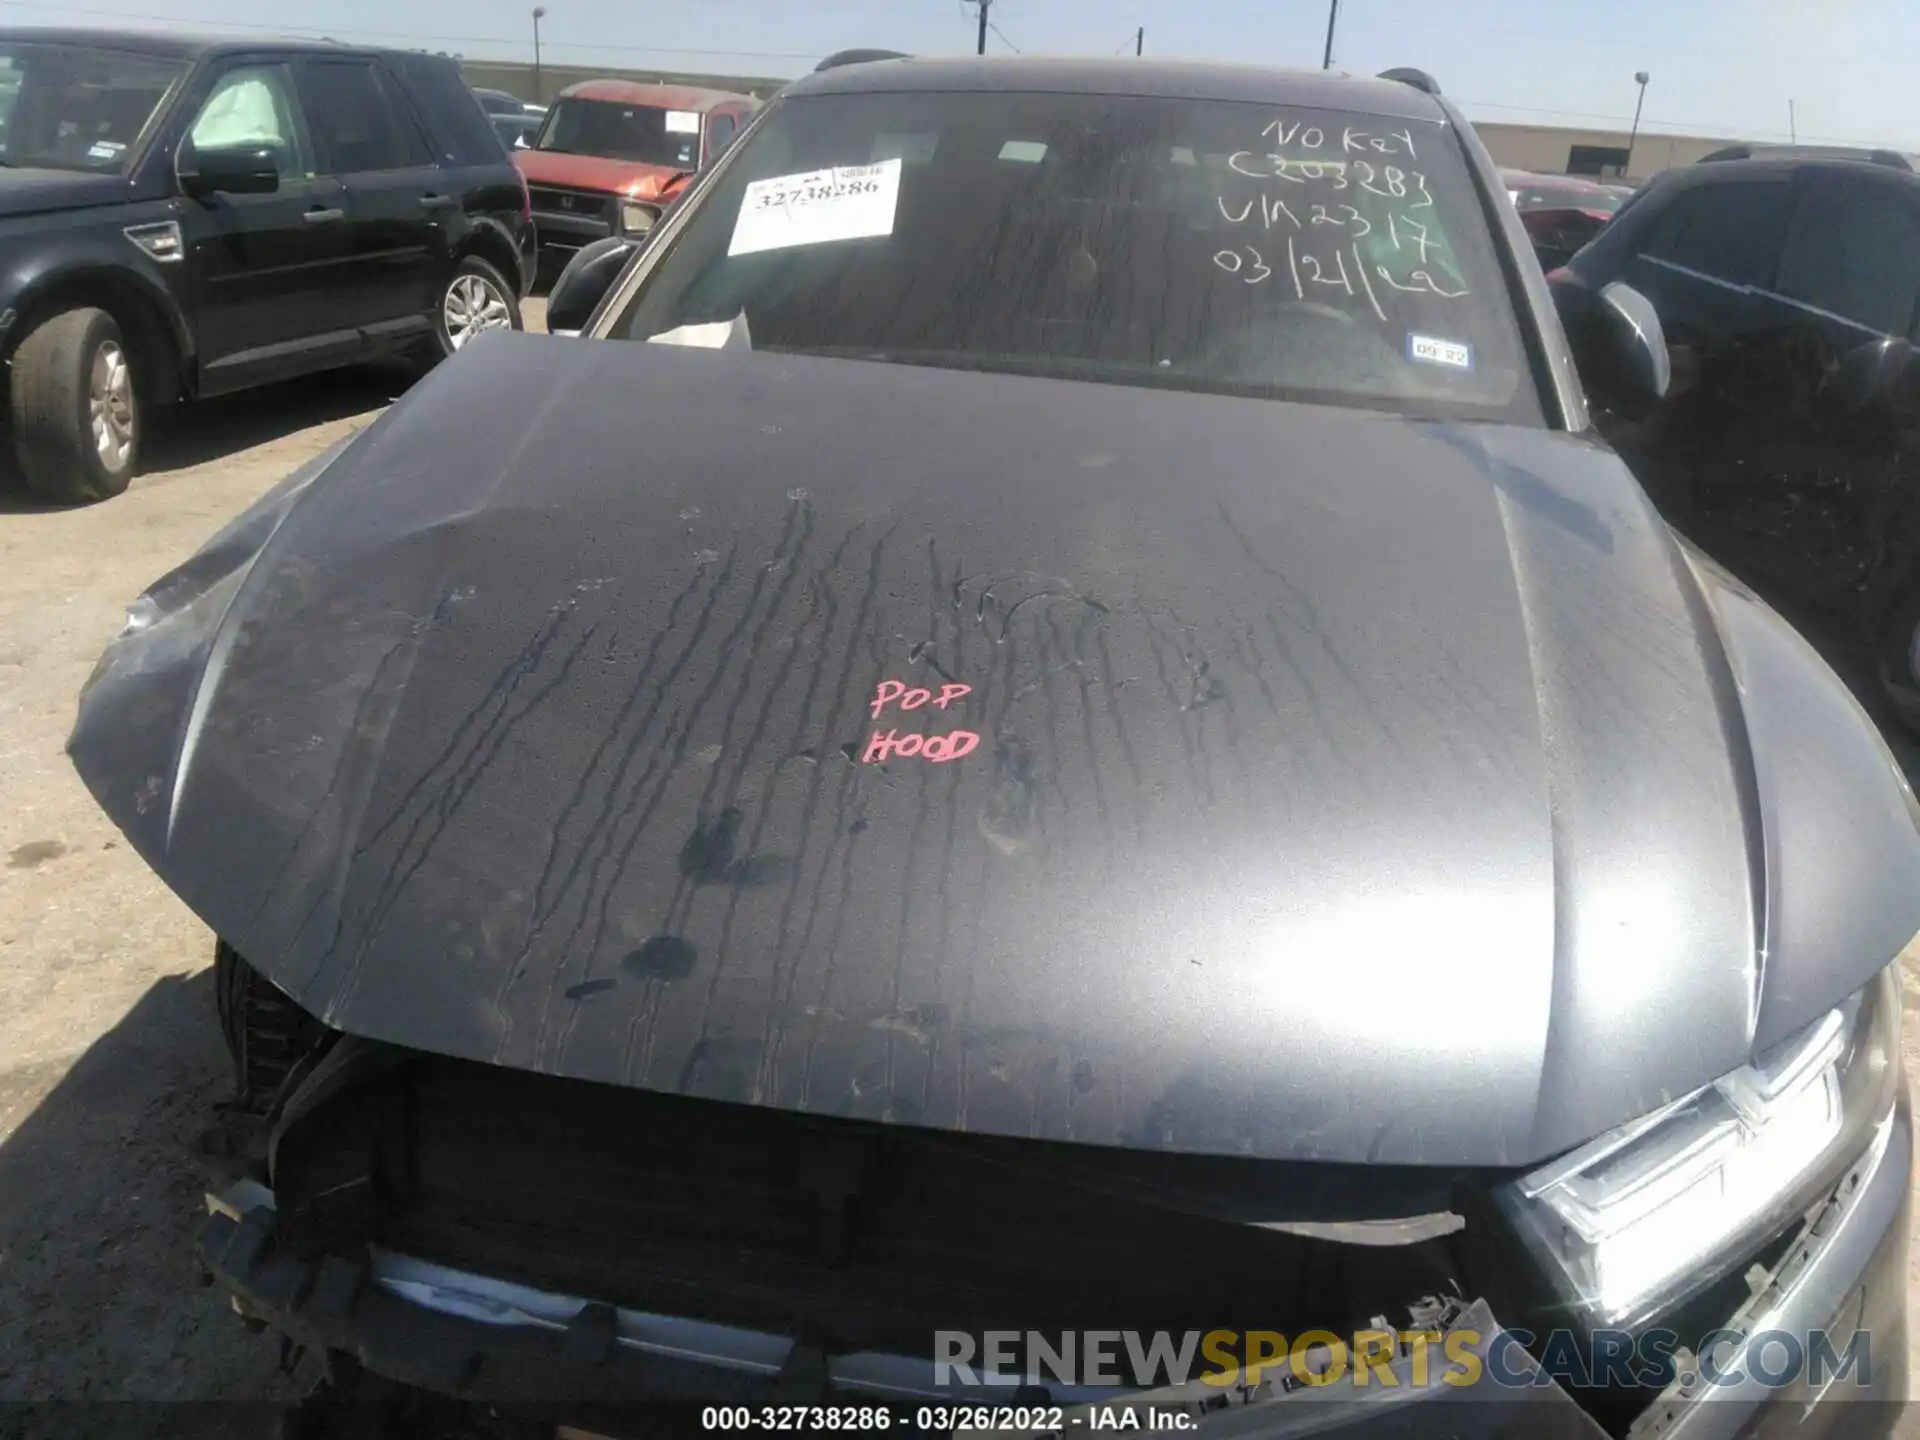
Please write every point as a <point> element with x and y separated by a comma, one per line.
<point>619,131</point>
<point>74,107</point>
<point>1227,247</point>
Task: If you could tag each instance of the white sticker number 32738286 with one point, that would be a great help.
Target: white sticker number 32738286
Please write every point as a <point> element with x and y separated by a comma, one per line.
<point>848,202</point>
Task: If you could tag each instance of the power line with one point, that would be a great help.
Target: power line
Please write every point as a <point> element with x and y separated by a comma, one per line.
<point>1003,38</point>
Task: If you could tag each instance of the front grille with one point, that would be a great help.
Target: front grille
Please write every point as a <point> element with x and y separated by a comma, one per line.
<point>771,1220</point>
<point>584,204</point>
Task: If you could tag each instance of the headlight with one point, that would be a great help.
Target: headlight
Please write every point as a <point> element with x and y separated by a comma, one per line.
<point>637,219</point>
<point>140,616</point>
<point>1670,1202</point>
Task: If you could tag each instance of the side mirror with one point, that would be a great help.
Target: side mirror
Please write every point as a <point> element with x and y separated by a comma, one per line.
<point>232,169</point>
<point>1618,344</point>
<point>585,282</point>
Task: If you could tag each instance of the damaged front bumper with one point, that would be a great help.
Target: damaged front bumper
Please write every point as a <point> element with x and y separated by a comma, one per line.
<point>499,1343</point>
<point>468,1335</point>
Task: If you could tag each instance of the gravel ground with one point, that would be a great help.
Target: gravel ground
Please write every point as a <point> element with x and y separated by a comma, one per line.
<point>109,1058</point>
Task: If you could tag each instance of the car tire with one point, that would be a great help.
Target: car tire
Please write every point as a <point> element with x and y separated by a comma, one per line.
<point>477,298</point>
<point>76,408</point>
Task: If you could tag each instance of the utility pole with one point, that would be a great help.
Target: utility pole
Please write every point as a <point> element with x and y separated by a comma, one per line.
<point>1333,14</point>
<point>983,4</point>
<point>539,12</point>
<point>1139,41</point>
<point>1639,78</point>
<point>1793,129</point>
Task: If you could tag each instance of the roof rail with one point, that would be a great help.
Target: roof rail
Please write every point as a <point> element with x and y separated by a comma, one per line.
<point>858,57</point>
<point>1892,159</point>
<point>1418,79</point>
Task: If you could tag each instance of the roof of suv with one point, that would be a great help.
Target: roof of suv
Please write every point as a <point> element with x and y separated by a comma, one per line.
<point>1782,163</point>
<point>1852,155</point>
<point>1317,89</point>
<point>181,46</point>
<point>1784,160</point>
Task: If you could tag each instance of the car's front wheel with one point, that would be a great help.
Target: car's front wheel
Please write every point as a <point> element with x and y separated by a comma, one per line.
<point>477,299</point>
<point>76,409</point>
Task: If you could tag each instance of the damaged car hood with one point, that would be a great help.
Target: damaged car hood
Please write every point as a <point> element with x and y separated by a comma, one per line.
<point>1340,786</point>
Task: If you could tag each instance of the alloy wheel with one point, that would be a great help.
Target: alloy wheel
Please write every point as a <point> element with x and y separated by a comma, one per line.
<point>110,405</point>
<point>473,305</point>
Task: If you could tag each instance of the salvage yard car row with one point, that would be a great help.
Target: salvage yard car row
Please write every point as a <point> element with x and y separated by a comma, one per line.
<point>898,769</point>
<point>182,218</point>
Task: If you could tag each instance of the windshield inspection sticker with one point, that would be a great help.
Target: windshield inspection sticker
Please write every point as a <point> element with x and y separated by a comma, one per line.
<point>914,149</point>
<point>848,202</point>
<point>1431,351</point>
<point>683,122</point>
<point>105,150</point>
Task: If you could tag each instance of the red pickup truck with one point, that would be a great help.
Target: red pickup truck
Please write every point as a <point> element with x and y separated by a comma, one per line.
<point>613,153</point>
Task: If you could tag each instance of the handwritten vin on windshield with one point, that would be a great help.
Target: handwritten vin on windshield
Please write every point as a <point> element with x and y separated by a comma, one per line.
<point>1338,214</point>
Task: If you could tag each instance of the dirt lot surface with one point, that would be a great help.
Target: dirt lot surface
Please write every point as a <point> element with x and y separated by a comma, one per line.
<point>109,1056</point>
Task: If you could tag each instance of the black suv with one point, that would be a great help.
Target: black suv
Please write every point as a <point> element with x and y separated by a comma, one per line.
<point>1788,283</point>
<point>184,217</point>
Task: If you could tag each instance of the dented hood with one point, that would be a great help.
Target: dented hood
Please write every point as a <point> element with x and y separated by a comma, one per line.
<point>631,178</point>
<point>1341,786</point>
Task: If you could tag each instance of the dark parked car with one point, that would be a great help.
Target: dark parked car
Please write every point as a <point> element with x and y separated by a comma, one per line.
<point>1055,721</point>
<point>499,102</point>
<point>1787,284</point>
<point>184,217</point>
<point>518,131</point>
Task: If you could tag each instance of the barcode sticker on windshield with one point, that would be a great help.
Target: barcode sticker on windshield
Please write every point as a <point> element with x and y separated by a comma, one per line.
<point>683,122</point>
<point>848,202</point>
<point>1440,352</point>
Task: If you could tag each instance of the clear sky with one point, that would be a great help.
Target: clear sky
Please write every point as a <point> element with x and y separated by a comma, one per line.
<point>1726,67</point>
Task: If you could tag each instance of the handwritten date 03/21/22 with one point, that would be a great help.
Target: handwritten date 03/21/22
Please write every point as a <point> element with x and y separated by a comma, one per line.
<point>1345,190</point>
<point>884,745</point>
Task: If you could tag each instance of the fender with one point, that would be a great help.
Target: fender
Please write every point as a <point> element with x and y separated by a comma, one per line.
<point>91,262</point>
<point>484,231</point>
<point>1821,794</point>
